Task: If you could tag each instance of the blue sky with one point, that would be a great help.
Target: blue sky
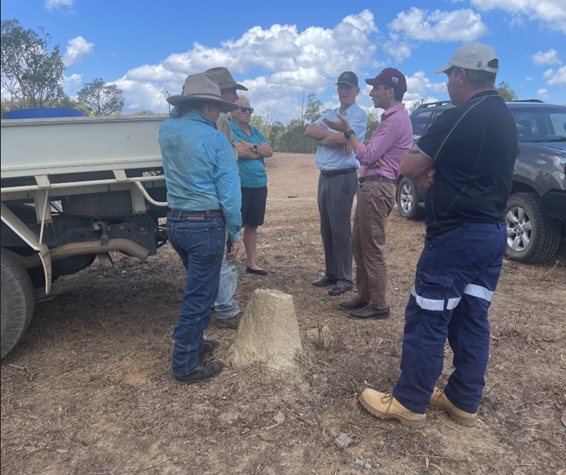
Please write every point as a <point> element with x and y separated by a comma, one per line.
<point>275,48</point>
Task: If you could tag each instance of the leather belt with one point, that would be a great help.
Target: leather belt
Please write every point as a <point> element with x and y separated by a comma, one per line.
<point>179,213</point>
<point>379,178</point>
<point>343,171</point>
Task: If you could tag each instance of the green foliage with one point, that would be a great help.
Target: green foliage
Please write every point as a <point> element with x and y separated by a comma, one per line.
<point>101,98</point>
<point>68,103</point>
<point>31,73</point>
<point>293,140</point>
<point>273,135</point>
<point>315,108</point>
<point>506,92</point>
<point>373,122</point>
<point>144,112</point>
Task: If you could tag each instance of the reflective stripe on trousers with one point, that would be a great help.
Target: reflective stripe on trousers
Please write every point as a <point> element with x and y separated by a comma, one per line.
<point>451,303</point>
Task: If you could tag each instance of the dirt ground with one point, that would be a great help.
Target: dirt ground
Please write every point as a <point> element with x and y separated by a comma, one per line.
<point>89,388</point>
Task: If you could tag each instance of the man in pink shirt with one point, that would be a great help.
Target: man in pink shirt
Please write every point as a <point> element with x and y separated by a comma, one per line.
<point>380,161</point>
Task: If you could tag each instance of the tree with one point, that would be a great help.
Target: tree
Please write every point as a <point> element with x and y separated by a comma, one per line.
<point>415,106</point>
<point>273,135</point>
<point>373,122</point>
<point>100,98</point>
<point>31,74</point>
<point>68,103</point>
<point>506,92</point>
<point>314,109</point>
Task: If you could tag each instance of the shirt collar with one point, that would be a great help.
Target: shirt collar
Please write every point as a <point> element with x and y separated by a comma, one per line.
<point>236,125</point>
<point>479,95</point>
<point>392,110</point>
<point>203,115</point>
<point>347,111</point>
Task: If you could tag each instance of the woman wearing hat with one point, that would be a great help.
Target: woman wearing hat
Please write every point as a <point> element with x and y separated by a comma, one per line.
<point>203,192</point>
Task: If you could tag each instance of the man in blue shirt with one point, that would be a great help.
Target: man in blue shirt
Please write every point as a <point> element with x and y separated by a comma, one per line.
<point>252,149</point>
<point>337,184</point>
<point>203,192</point>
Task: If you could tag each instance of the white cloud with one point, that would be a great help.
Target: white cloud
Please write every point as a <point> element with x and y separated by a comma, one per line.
<point>72,83</point>
<point>52,4</point>
<point>418,88</point>
<point>543,93</point>
<point>315,56</point>
<point>458,25</point>
<point>559,78</point>
<point>552,13</point>
<point>144,95</point>
<point>400,50</point>
<point>548,73</point>
<point>550,57</point>
<point>418,83</point>
<point>528,78</point>
<point>76,49</point>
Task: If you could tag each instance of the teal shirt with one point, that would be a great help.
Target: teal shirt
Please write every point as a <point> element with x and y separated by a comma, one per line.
<point>200,170</point>
<point>252,172</point>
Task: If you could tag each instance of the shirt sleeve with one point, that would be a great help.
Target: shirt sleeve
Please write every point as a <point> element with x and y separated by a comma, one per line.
<point>227,182</point>
<point>359,123</point>
<point>386,135</point>
<point>430,144</point>
<point>323,116</point>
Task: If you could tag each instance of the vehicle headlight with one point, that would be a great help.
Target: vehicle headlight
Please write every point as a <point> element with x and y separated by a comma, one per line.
<point>560,163</point>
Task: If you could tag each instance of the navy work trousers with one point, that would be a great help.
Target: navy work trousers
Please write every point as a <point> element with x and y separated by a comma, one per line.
<point>200,244</point>
<point>457,274</point>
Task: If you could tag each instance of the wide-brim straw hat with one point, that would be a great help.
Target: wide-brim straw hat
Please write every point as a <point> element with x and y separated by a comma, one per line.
<point>225,79</point>
<point>202,87</point>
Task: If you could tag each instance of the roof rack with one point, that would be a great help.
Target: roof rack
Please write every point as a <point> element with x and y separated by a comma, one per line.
<point>528,100</point>
<point>433,104</point>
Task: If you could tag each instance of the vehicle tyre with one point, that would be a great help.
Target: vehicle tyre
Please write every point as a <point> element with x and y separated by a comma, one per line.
<point>18,301</point>
<point>532,236</point>
<point>408,199</point>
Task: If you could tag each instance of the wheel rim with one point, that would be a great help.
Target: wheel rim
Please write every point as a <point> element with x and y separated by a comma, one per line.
<point>519,229</point>
<point>406,198</point>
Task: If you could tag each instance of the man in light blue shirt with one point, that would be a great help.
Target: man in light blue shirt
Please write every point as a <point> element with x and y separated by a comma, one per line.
<point>337,184</point>
<point>203,192</point>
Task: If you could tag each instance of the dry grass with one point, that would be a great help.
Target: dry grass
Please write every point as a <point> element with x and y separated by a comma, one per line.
<point>88,391</point>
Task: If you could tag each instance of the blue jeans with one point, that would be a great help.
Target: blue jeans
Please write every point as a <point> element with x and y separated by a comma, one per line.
<point>226,305</point>
<point>200,244</point>
<point>457,274</point>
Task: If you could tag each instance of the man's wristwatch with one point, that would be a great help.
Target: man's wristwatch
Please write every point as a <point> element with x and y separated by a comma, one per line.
<point>349,134</point>
<point>254,148</point>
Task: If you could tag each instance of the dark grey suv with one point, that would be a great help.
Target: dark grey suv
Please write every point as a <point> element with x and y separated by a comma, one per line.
<point>536,210</point>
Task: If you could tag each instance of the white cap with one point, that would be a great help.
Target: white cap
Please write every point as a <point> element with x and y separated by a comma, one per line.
<point>474,56</point>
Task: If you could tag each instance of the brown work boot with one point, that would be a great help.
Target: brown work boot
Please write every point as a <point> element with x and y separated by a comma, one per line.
<point>439,400</point>
<point>385,406</point>
<point>231,323</point>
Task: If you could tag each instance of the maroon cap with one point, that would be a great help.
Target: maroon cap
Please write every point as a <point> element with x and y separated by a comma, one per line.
<point>390,76</point>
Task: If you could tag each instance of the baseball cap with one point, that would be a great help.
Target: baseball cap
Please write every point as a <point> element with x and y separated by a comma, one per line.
<point>348,77</point>
<point>390,76</point>
<point>474,56</point>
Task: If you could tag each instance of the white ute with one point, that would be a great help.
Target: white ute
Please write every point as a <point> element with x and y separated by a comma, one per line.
<point>74,189</point>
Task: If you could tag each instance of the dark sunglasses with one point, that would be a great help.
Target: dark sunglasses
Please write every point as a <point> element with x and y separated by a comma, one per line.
<point>247,109</point>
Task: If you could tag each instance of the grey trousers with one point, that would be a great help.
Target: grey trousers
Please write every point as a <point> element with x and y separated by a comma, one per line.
<point>335,198</point>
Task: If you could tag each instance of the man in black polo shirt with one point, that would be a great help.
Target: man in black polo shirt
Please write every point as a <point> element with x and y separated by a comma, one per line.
<point>466,161</point>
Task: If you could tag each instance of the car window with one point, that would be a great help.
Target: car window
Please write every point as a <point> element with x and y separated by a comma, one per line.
<point>546,123</point>
<point>420,123</point>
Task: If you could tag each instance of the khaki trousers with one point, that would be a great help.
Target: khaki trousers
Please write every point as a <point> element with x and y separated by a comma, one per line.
<point>375,202</point>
